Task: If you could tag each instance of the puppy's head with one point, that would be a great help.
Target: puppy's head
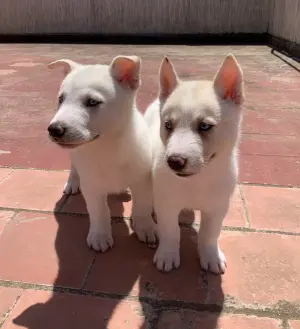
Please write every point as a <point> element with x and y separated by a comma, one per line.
<point>93,100</point>
<point>199,119</point>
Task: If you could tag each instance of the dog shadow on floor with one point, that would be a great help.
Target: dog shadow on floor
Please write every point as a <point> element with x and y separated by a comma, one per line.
<point>103,281</point>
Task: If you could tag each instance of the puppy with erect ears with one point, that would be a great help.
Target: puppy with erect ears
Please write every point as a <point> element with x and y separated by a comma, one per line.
<point>98,122</point>
<point>195,129</point>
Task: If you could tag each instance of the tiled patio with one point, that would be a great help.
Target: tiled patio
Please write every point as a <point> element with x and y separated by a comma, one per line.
<point>49,278</point>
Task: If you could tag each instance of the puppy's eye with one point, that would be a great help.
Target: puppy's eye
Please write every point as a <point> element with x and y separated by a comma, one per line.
<point>168,125</point>
<point>203,126</point>
<point>61,98</point>
<point>92,102</point>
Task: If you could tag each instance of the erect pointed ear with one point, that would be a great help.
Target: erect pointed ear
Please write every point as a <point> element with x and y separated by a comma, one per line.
<point>66,64</point>
<point>127,71</point>
<point>168,79</point>
<point>228,81</point>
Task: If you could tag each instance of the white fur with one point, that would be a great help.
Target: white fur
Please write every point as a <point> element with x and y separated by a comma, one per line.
<point>211,159</point>
<point>119,157</point>
<point>72,186</point>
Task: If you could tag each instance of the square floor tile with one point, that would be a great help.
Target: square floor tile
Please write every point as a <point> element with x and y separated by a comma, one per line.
<point>44,248</point>
<point>273,208</point>
<point>33,189</point>
<point>41,309</point>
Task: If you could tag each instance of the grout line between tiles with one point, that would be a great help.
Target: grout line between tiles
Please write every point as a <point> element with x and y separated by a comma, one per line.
<point>248,222</point>
<point>34,169</point>
<point>87,273</point>
<point>183,225</point>
<point>5,177</point>
<point>10,310</point>
<point>269,185</point>
<point>231,305</point>
<point>67,170</point>
<point>285,324</point>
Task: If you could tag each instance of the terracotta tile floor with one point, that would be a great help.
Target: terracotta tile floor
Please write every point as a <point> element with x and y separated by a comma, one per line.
<point>50,279</point>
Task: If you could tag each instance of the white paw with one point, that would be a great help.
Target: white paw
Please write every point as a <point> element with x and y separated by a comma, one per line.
<point>100,240</point>
<point>212,258</point>
<point>166,258</point>
<point>72,186</point>
<point>144,228</point>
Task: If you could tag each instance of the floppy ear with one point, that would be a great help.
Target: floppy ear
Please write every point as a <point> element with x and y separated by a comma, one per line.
<point>168,79</point>
<point>66,64</point>
<point>127,71</point>
<point>228,81</point>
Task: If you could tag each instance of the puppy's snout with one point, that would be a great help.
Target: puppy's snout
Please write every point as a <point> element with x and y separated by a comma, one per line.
<point>176,162</point>
<point>56,130</point>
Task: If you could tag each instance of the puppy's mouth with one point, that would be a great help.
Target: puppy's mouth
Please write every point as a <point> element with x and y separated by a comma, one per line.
<point>72,145</point>
<point>212,157</point>
<point>185,175</point>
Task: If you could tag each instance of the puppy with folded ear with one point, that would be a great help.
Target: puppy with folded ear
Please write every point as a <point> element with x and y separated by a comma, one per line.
<point>110,150</point>
<point>195,128</point>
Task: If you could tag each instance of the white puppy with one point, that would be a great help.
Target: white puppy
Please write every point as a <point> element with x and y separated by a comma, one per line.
<point>108,140</point>
<point>195,127</point>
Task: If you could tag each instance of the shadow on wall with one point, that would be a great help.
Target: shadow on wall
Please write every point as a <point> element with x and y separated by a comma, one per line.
<point>160,300</point>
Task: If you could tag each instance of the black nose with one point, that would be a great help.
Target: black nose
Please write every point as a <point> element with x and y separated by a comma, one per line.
<point>177,163</point>
<point>56,130</point>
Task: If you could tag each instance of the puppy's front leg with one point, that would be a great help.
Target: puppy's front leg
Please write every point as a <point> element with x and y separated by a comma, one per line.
<point>100,234</point>
<point>73,184</point>
<point>167,255</point>
<point>142,207</point>
<point>211,257</point>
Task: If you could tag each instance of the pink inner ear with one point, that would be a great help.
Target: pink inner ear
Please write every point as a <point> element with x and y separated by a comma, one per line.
<point>168,80</point>
<point>166,90</point>
<point>124,78</point>
<point>230,89</point>
<point>127,78</point>
<point>126,74</point>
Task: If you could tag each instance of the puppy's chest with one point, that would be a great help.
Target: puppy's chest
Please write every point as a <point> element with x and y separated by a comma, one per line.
<point>204,191</point>
<point>196,195</point>
<point>111,172</point>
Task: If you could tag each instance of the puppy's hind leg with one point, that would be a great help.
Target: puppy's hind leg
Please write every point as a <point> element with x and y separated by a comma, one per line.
<point>72,186</point>
<point>142,207</point>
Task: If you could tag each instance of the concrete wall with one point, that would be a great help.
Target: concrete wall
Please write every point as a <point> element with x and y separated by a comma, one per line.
<point>285,20</point>
<point>134,16</point>
<point>280,18</point>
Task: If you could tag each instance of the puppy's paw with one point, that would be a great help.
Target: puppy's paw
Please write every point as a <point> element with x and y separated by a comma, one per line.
<point>166,259</point>
<point>212,258</point>
<point>100,240</point>
<point>145,229</point>
<point>72,186</point>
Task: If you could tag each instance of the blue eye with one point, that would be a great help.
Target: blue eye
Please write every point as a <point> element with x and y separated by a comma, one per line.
<point>91,102</point>
<point>204,126</point>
